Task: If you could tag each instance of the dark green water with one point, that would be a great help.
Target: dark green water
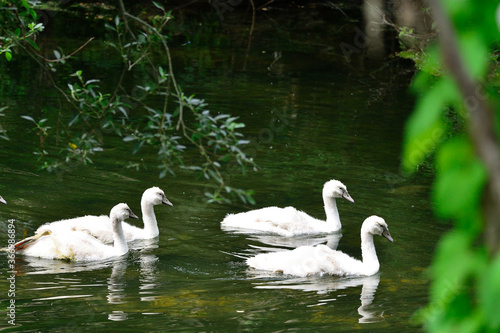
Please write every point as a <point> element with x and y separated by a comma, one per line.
<point>312,116</point>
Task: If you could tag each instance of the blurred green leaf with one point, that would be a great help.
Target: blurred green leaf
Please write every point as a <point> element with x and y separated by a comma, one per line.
<point>33,44</point>
<point>425,127</point>
<point>475,53</point>
<point>158,5</point>
<point>489,294</point>
<point>460,179</point>
<point>29,118</point>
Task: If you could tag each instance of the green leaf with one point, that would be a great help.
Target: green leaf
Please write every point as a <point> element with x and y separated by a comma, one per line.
<point>250,198</point>
<point>26,5</point>
<point>454,264</point>
<point>137,147</point>
<point>460,180</point>
<point>430,67</point>
<point>33,44</point>
<point>29,118</point>
<point>475,53</point>
<point>489,294</point>
<point>129,138</point>
<point>8,56</point>
<point>158,5</point>
<point>425,127</point>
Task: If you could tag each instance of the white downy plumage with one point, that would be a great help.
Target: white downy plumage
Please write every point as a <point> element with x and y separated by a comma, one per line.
<point>100,226</point>
<point>79,245</point>
<point>320,259</point>
<point>290,221</point>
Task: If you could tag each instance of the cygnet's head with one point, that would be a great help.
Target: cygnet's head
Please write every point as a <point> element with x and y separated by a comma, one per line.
<point>376,225</point>
<point>155,196</point>
<point>122,212</point>
<point>2,200</point>
<point>335,189</point>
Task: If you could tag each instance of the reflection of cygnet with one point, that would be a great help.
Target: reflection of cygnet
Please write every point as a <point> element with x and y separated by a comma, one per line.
<point>116,286</point>
<point>370,284</point>
<point>289,221</point>
<point>321,259</point>
<point>148,278</point>
<point>331,240</point>
<point>325,286</point>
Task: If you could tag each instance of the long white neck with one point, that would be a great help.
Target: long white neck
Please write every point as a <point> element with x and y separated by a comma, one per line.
<point>120,243</point>
<point>332,213</point>
<point>368,253</point>
<point>149,219</point>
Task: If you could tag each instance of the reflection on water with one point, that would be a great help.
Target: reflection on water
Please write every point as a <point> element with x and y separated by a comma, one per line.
<point>149,276</point>
<point>327,285</point>
<point>34,266</point>
<point>117,289</point>
<point>368,314</point>
<point>116,285</point>
<point>331,240</point>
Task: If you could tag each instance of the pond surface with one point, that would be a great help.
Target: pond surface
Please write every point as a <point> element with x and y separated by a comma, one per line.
<point>311,116</point>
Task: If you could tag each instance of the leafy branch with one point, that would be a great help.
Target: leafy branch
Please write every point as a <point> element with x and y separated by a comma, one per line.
<point>171,129</point>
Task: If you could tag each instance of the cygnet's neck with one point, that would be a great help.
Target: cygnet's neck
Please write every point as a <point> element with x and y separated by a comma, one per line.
<point>368,253</point>
<point>149,219</point>
<point>332,213</point>
<point>119,241</point>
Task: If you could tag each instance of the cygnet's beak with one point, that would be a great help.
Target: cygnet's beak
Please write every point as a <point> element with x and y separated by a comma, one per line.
<point>387,235</point>
<point>347,196</point>
<point>133,216</point>
<point>2,200</point>
<point>165,201</point>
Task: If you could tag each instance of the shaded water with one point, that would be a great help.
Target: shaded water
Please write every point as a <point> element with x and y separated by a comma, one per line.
<point>312,116</point>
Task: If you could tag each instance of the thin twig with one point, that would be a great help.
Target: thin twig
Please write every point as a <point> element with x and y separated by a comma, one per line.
<point>169,59</point>
<point>250,34</point>
<point>267,3</point>
<point>69,55</point>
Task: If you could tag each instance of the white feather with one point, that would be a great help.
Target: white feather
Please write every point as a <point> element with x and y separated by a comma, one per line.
<point>290,221</point>
<point>100,226</point>
<point>320,259</point>
<point>78,245</point>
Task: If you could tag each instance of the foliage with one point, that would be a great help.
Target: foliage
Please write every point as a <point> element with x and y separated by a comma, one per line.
<point>18,26</point>
<point>144,115</point>
<point>465,290</point>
